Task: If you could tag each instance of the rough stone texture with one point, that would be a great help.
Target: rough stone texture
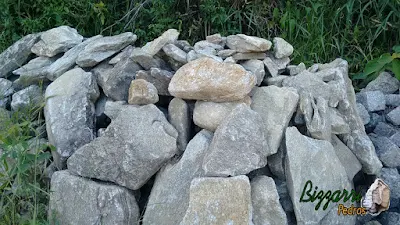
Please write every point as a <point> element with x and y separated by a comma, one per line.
<point>248,56</point>
<point>391,177</point>
<point>153,47</point>
<point>230,60</point>
<point>33,72</point>
<point>239,145</point>
<point>206,45</point>
<point>75,200</point>
<point>276,81</point>
<point>282,48</point>
<point>219,201</point>
<point>174,52</point>
<point>276,106</point>
<point>69,113</point>
<point>384,129</point>
<point>134,147</point>
<point>390,218</point>
<point>338,124</point>
<point>126,53</point>
<point>6,90</point>
<point>112,109</point>
<point>275,66</point>
<point>394,116</point>
<point>322,162</point>
<point>184,45</point>
<point>104,47</point>
<point>392,100</point>
<point>30,96</point>
<point>209,115</point>
<point>244,43</point>
<point>67,61</point>
<point>385,83</point>
<point>159,78</point>
<point>145,60</point>
<point>142,92</point>
<point>372,100</point>
<point>17,54</point>
<point>172,184</point>
<point>276,162</point>
<point>225,53</point>
<point>346,157</point>
<point>207,79</point>
<point>216,39</point>
<point>294,70</point>
<point>179,117</point>
<point>265,201</point>
<point>362,111</point>
<point>388,152</point>
<point>56,40</point>
<point>256,67</point>
<point>395,138</point>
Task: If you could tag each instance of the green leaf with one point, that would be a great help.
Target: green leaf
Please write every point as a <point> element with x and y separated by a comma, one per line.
<point>359,76</point>
<point>385,58</point>
<point>372,67</point>
<point>396,48</point>
<point>396,68</point>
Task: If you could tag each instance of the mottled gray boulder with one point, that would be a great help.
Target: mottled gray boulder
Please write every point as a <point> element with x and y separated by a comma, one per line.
<point>56,40</point>
<point>206,45</point>
<point>67,61</point>
<point>134,147</point>
<point>394,116</point>
<point>391,177</point>
<point>256,67</point>
<point>276,81</point>
<point>216,39</point>
<point>395,138</point>
<point>34,72</point>
<point>104,47</point>
<point>219,201</point>
<point>346,157</point>
<point>282,48</point>
<point>275,66</point>
<point>147,61</point>
<point>125,53</point>
<point>6,90</point>
<point>392,100</point>
<point>388,152</point>
<point>142,92</point>
<point>385,83</point>
<point>179,116</point>
<point>168,37</point>
<point>312,160</point>
<point>69,113</point>
<point>372,100</point>
<point>276,106</point>
<point>338,124</point>
<point>17,54</point>
<point>175,53</point>
<point>384,129</point>
<point>76,200</point>
<point>31,96</point>
<point>244,43</point>
<point>209,115</point>
<point>294,70</point>
<point>225,53</point>
<point>115,81</point>
<point>265,201</point>
<point>248,56</point>
<point>172,184</point>
<point>239,145</point>
<point>362,111</point>
<point>112,109</point>
<point>159,78</point>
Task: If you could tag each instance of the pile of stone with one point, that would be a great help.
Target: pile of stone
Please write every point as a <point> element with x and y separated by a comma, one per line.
<point>226,131</point>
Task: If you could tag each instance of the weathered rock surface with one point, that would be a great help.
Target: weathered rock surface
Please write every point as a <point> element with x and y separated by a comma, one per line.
<point>56,40</point>
<point>239,145</point>
<point>388,152</point>
<point>17,54</point>
<point>125,53</point>
<point>384,129</point>
<point>392,100</point>
<point>362,111</point>
<point>34,72</point>
<point>174,52</point>
<point>265,202</point>
<point>282,48</point>
<point>276,106</point>
<point>256,67</point>
<point>372,100</point>
<point>29,97</point>
<point>346,157</point>
<point>219,201</point>
<point>142,92</point>
<point>159,78</point>
<point>275,66</point>
<point>394,116</point>
<point>6,90</point>
<point>69,113</point>
<point>244,43</point>
<point>294,70</point>
<point>385,83</point>
<point>168,37</point>
<point>134,147</point>
<point>169,198</point>
<point>75,200</point>
<point>179,117</point>
<point>104,47</point>
<point>207,79</point>
<point>391,177</point>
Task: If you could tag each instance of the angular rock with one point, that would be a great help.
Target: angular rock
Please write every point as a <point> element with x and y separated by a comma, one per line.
<point>192,55</point>
<point>265,201</point>
<point>34,72</point>
<point>388,152</point>
<point>153,47</point>
<point>394,116</point>
<point>372,100</point>
<point>249,56</point>
<point>282,48</point>
<point>362,111</point>
<point>225,53</point>
<point>284,197</point>
<point>179,117</point>
<point>207,79</point>
<point>390,218</point>
<point>69,113</point>
<point>276,106</point>
<point>384,129</point>
<point>276,162</point>
<point>209,115</point>
<point>385,83</point>
<point>391,177</point>
<point>29,97</point>
<point>219,201</point>
<point>145,60</point>
<point>256,67</point>
<point>126,53</point>
<point>320,156</point>
<point>134,147</point>
<point>346,157</point>
<point>230,60</point>
<point>176,53</point>
<point>395,138</point>
<point>104,47</point>
<point>244,43</point>
<point>205,45</point>
<point>159,78</point>
<point>294,70</point>
<point>275,66</point>
<point>184,45</point>
<point>276,81</point>
<point>77,200</point>
<point>67,61</point>
<point>239,145</point>
<point>172,184</point>
<point>392,100</point>
<point>216,39</point>
<point>207,53</point>
<point>142,92</point>
<point>6,90</point>
<point>56,40</point>
<point>112,109</point>
<point>375,119</point>
<point>17,54</point>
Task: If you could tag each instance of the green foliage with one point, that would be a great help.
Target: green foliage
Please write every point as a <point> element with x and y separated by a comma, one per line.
<point>23,189</point>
